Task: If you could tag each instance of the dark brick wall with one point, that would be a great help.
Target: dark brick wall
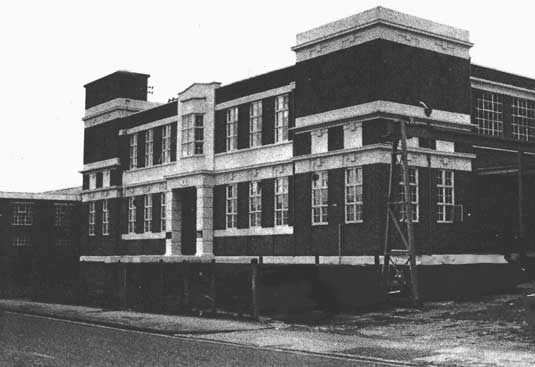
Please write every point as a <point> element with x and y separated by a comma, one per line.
<point>119,84</point>
<point>501,77</point>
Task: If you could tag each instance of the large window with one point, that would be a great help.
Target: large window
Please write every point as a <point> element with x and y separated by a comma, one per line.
<point>105,218</point>
<point>413,193</point>
<point>445,196</point>
<point>63,214</point>
<point>147,213</point>
<point>281,201</point>
<point>281,118</point>
<point>232,128</point>
<point>133,151</point>
<point>22,214</point>
<point>21,239</point>
<point>320,197</point>
<point>489,114</point>
<point>166,143</point>
<point>163,212</point>
<point>523,119</point>
<point>91,228</point>
<point>353,194</point>
<point>255,204</point>
<point>149,146</point>
<point>231,207</point>
<point>192,134</point>
<point>255,124</point>
<point>131,215</point>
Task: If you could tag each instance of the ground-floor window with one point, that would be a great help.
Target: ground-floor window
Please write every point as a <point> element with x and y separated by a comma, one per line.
<point>21,239</point>
<point>281,201</point>
<point>231,207</point>
<point>91,228</point>
<point>413,193</point>
<point>445,196</point>
<point>163,206</point>
<point>105,218</point>
<point>353,195</point>
<point>147,213</point>
<point>320,197</point>
<point>131,215</point>
<point>255,204</point>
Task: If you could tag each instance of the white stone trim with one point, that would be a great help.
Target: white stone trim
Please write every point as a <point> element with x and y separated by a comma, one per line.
<point>101,164</point>
<point>143,236</point>
<point>150,125</point>
<point>138,259</point>
<point>254,97</point>
<point>145,188</point>
<point>254,231</point>
<point>147,175</point>
<point>353,112</point>
<point>116,108</point>
<point>38,196</point>
<point>508,89</point>
<point>101,194</point>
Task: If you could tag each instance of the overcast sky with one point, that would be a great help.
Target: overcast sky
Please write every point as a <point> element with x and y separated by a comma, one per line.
<point>50,49</point>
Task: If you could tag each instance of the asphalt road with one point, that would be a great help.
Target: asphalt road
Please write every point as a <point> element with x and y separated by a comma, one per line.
<point>36,341</point>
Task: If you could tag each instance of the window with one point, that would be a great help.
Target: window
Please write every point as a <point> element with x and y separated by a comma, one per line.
<point>232,128</point>
<point>320,197</point>
<point>163,206</point>
<point>105,218</point>
<point>62,215</point>
<point>281,201</point>
<point>22,214</point>
<point>413,192</point>
<point>445,196</point>
<point>149,146</point>
<point>489,114</point>
<point>21,239</point>
<point>91,228</point>
<point>192,134</point>
<point>231,207</point>
<point>353,195</point>
<point>523,119</point>
<point>133,151</point>
<point>255,204</point>
<point>131,215</point>
<point>166,144</point>
<point>147,214</point>
<point>281,118</point>
<point>255,124</point>
<point>63,242</point>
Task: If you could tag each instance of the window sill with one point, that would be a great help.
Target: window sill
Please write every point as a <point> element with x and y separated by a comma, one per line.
<point>287,142</point>
<point>193,156</point>
<point>143,236</point>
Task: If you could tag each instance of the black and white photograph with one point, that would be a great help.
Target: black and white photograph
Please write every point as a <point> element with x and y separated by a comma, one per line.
<point>284,183</point>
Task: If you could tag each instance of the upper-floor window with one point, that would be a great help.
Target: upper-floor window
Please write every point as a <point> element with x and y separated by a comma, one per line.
<point>445,195</point>
<point>523,119</point>
<point>255,204</point>
<point>22,214</point>
<point>62,216</point>
<point>21,239</point>
<point>489,114</point>
<point>147,214</point>
<point>149,146</point>
<point>281,201</point>
<point>255,124</point>
<point>91,227</point>
<point>231,206</point>
<point>163,211</point>
<point>131,215</point>
<point>232,128</point>
<point>166,143</point>
<point>320,197</point>
<point>281,118</point>
<point>192,134</point>
<point>105,218</point>
<point>353,194</point>
<point>413,193</point>
<point>133,151</point>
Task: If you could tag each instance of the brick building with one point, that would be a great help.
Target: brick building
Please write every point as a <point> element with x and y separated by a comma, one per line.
<point>291,164</point>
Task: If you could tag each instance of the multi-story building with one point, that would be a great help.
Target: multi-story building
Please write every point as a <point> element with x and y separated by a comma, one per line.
<point>292,164</point>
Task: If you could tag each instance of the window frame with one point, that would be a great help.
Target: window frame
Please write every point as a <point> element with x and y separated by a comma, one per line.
<point>91,218</point>
<point>281,195</point>
<point>255,124</point>
<point>489,114</point>
<point>105,218</point>
<point>166,143</point>
<point>282,117</point>
<point>62,215</point>
<point>355,206</point>
<point>133,141</point>
<point>132,212</point>
<point>523,119</point>
<point>412,186</point>
<point>21,239</point>
<point>147,213</point>
<point>442,202</point>
<point>149,148</point>
<point>192,134</point>
<point>255,204</point>
<point>231,213</point>
<point>323,191</point>
<point>163,212</point>
<point>232,116</point>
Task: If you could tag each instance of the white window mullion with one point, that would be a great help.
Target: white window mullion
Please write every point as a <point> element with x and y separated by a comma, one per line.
<point>281,201</point>
<point>320,198</point>
<point>353,195</point>
<point>231,206</point>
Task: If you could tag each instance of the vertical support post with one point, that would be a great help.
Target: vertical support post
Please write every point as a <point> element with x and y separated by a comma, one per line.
<point>254,287</point>
<point>391,182</point>
<point>521,204</point>
<point>185,285</point>
<point>212,286</point>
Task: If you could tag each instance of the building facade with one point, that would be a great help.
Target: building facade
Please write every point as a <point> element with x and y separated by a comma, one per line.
<point>292,165</point>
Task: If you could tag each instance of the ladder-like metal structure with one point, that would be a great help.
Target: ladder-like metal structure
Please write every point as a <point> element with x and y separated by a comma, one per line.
<point>400,273</point>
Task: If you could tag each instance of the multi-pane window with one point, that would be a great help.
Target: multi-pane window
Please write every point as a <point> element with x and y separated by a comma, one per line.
<point>320,197</point>
<point>255,204</point>
<point>91,228</point>
<point>255,124</point>
<point>166,144</point>
<point>131,215</point>
<point>489,114</point>
<point>105,218</point>
<point>445,196</point>
<point>22,214</point>
<point>353,194</point>
<point>149,146</point>
<point>231,207</point>
<point>147,213</point>
<point>62,216</point>
<point>163,212</point>
<point>523,119</point>
<point>232,128</point>
<point>21,239</point>
<point>133,151</point>
<point>413,193</point>
<point>192,134</point>
<point>281,118</point>
<point>281,201</point>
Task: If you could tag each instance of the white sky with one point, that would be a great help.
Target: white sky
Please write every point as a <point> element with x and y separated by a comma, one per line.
<point>50,49</point>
